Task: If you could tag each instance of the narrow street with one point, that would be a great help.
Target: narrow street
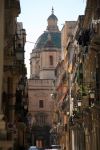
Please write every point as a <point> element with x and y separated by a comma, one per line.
<point>49,75</point>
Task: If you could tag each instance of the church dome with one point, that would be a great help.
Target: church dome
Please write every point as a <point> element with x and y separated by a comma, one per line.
<point>52,16</point>
<point>52,32</point>
<point>43,40</point>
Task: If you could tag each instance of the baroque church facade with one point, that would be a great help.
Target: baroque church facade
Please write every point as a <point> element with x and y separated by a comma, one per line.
<point>43,61</point>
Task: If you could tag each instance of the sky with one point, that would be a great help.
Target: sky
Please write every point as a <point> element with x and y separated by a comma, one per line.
<point>34,14</point>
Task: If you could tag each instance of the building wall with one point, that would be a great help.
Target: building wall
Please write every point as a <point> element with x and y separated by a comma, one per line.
<point>11,72</point>
<point>62,85</point>
<point>40,90</point>
<point>47,69</point>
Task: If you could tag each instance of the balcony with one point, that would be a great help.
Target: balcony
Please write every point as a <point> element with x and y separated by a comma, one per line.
<point>84,37</point>
<point>95,43</point>
<point>13,5</point>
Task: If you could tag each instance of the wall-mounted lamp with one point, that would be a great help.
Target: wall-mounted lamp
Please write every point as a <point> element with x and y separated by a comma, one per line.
<point>21,86</point>
<point>53,95</point>
<point>79,103</point>
<point>67,113</point>
<point>92,94</point>
<point>91,97</point>
<point>25,106</point>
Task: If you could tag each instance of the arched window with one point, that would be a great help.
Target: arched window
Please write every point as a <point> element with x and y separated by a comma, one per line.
<point>51,60</point>
<point>41,104</point>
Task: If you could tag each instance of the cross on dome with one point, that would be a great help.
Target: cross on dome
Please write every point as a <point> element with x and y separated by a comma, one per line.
<point>52,10</point>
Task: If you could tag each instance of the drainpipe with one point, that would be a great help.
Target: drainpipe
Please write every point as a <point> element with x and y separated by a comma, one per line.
<point>1,48</point>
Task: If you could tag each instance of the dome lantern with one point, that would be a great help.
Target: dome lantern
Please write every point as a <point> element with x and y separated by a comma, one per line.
<point>52,22</point>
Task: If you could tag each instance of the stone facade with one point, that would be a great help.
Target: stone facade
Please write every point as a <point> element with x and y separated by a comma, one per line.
<point>44,58</point>
<point>12,68</point>
<point>81,103</point>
